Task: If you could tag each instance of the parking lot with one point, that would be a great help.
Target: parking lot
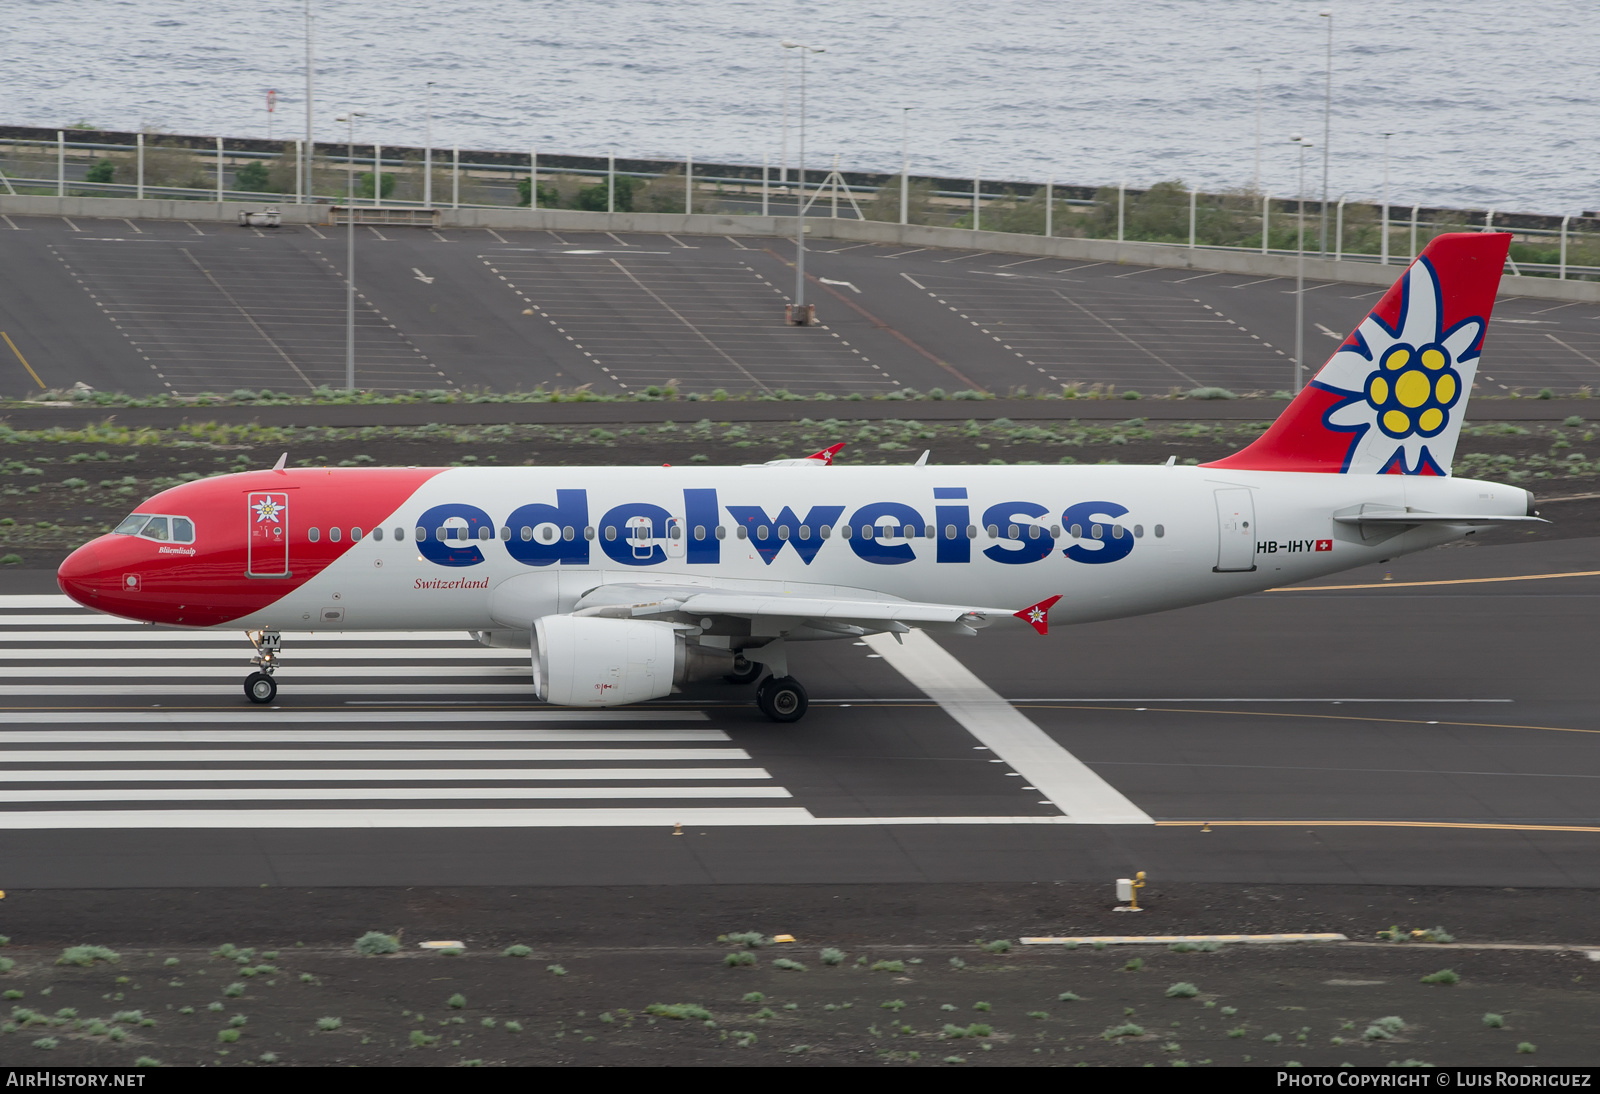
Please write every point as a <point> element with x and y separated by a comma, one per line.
<point>170,306</point>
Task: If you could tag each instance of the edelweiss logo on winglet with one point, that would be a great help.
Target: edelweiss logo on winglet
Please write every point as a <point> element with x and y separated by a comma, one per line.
<point>1399,387</point>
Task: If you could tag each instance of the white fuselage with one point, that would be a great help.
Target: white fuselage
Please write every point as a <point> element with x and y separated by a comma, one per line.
<point>1148,538</point>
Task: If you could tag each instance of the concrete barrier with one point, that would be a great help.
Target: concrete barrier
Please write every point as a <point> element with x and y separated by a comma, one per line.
<point>1246,263</point>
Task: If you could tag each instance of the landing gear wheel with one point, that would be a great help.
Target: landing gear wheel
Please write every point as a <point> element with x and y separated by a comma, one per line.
<point>260,688</point>
<point>782,699</point>
<point>744,672</point>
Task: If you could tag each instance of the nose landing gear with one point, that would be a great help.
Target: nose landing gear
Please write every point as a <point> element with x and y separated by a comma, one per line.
<point>259,686</point>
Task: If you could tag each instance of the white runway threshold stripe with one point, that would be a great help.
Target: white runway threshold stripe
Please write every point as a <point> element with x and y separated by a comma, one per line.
<point>256,718</point>
<point>406,818</point>
<point>1063,779</point>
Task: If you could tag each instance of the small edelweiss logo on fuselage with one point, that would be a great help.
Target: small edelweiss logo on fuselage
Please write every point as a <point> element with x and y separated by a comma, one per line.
<point>1400,386</point>
<point>267,511</point>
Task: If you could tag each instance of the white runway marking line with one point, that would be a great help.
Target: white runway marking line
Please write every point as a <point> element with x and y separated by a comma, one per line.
<point>253,718</point>
<point>333,734</point>
<point>361,755</point>
<point>386,774</point>
<point>1061,777</point>
<point>392,793</point>
<point>215,691</point>
<point>119,819</point>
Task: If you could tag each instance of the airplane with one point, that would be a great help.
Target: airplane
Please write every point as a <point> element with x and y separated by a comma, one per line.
<point>625,582</point>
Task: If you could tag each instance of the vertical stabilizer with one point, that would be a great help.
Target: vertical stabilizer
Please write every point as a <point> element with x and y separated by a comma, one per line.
<point>1391,399</point>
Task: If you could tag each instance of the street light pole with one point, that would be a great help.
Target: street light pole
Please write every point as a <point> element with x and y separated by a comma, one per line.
<point>1327,121</point>
<point>783,152</point>
<point>1300,274</point>
<point>1383,250</point>
<point>905,163</point>
<point>350,251</point>
<point>799,313</point>
<point>311,148</point>
<point>427,155</point>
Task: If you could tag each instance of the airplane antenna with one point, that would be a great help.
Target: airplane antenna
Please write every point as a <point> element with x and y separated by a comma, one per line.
<point>922,460</point>
<point>283,462</point>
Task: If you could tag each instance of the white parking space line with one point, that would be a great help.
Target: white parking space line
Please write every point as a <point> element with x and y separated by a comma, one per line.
<point>1061,777</point>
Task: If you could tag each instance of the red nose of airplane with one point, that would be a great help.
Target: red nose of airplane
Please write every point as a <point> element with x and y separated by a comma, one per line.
<point>82,575</point>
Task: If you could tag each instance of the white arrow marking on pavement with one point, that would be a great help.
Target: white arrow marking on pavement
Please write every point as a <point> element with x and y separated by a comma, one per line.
<point>422,277</point>
<point>846,284</point>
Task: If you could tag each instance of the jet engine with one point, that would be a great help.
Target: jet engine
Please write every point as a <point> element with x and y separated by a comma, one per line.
<point>587,661</point>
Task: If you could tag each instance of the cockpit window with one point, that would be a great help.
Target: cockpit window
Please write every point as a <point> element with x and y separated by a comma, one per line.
<point>159,528</point>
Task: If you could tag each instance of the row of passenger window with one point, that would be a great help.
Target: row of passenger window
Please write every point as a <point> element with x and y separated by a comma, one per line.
<point>548,532</point>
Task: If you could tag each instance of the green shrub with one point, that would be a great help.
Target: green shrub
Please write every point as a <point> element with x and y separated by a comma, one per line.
<point>328,1025</point>
<point>999,945</point>
<point>1443,976</point>
<point>228,1036</point>
<point>518,950</point>
<point>831,956</point>
<point>1182,990</point>
<point>679,1011</point>
<point>1127,1029</point>
<point>888,966</point>
<point>1526,1049</point>
<point>751,940</point>
<point>375,942</point>
<point>791,966</point>
<point>87,955</point>
<point>456,1001</point>
<point>739,958</point>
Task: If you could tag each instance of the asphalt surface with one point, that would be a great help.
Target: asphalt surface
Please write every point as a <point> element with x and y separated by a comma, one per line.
<point>168,306</point>
<point>1396,734</point>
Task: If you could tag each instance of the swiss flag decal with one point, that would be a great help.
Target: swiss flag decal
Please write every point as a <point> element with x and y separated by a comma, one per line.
<point>1037,615</point>
<point>1324,544</point>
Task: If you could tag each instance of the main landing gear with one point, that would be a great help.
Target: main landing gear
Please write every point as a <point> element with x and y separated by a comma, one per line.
<point>782,698</point>
<point>259,686</point>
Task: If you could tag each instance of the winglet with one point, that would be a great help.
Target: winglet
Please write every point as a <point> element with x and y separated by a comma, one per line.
<point>1037,615</point>
<point>283,462</point>
<point>827,454</point>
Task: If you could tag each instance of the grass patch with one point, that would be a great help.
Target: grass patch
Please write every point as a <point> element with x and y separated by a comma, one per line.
<point>1433,934</point>
<point>752,940</point>
<point>425,1040</point>
<point>679,1011</point>
<point>87,955</point>
<point>754,997</point>
<point>831,956</point>
<point>1127,1029</point>
<point>374,943</point>
<point>999,945</point>
<point>888,966</point>
<point>518,950</point>
<point>227,1036</point>
<point>1134,966</point>
<point>739,959</point>
<point>893,1004</point>
<point>328,1025</point>
<point>1443,976</point>
<point>1384,1029</point>
<point>1068,997</point>
<point>556,969</point>
<point>957,963</point>
<point>1182,990</point>
<point>1524,1048</point>
<point>788,965</point>
<point>1494,1021</point>
<point>456,1001</point>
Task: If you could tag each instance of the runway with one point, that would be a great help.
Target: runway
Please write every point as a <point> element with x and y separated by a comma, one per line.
<point>1381,731</point>
<point>148,307</point>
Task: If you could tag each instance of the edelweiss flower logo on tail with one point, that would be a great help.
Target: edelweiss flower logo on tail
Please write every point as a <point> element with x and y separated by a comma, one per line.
<point>1399,387</point>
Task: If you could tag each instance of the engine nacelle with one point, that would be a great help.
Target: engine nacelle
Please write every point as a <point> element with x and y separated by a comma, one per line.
<point>588,661</point>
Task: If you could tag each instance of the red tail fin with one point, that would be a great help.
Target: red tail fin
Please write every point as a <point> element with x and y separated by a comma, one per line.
<point>1037,615</point>
<point>1391,398</point>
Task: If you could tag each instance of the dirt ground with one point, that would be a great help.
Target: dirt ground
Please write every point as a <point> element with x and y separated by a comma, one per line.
<point>59,488</point>
<point>639,976</point>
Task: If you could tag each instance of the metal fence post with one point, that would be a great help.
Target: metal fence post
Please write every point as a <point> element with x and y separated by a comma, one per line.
<point>1383,246</point>
<point>975,213</point>
<point>1413,257</point>
<point>220,179</point>
<point>611,181</point>
<point>1049,205</point>
<point>1266,214</point>
<point>299,178</point>
<point>1122,189</point>
<point>455,176</point>
<point>765,158</point>
<point>61,164</point>
<point>1562,276</point>
<point>1193,191</point>
<point>533,177</point>
<point>688,184</point>
<point>138,188</point>
<point>377,173</point>
<point>1338,231</point>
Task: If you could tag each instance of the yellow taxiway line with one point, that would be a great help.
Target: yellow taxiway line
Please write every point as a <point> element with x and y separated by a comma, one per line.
<point>1415,584</point>
<point>23,359</point>
<point>1377,824</point>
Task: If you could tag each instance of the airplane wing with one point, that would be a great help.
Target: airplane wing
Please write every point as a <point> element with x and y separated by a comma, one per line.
<point>829,615</point>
